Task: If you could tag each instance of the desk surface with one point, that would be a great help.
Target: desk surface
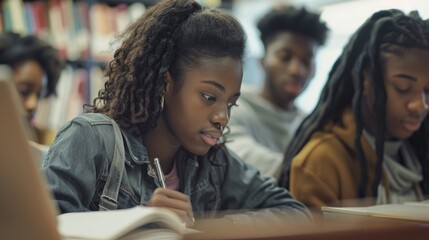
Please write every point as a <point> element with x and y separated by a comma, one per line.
<point>358,230</point>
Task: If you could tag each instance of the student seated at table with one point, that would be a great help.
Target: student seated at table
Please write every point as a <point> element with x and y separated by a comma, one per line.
<point>368,136</point>
<point>171,87</point>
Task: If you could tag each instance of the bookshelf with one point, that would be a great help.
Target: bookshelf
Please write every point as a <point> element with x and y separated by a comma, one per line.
<point>83,32</point>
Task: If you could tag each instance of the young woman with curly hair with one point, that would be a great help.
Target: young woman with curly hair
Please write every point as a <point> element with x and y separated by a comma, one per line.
<point>170,88</point>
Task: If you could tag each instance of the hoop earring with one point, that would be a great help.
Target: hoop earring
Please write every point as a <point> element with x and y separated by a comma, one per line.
<point>162,103</point>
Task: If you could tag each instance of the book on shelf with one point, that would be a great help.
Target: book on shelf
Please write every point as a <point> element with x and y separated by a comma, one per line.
<point>133,223</point>
<point>409,211</point>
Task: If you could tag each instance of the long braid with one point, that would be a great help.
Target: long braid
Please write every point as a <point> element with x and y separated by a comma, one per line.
<point>357,100</point>
<point>385,30</point>
<point>380,101</point>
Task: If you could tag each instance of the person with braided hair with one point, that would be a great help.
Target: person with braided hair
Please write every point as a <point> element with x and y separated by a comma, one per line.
<point>36,67</point>
<point>264,124</point>
<point>170,89</point>
<point>366,142</point>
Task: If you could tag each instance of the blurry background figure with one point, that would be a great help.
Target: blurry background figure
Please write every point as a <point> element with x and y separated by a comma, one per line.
<point>264,123</point>
<point>36,67</point>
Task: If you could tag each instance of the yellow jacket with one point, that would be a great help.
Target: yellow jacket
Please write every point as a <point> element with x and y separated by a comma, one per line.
<point>326,171</point>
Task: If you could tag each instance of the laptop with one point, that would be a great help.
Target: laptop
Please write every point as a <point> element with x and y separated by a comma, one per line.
<point>26,210</point>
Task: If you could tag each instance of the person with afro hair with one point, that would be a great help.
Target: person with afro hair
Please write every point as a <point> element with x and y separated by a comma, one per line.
<point>265,121</point>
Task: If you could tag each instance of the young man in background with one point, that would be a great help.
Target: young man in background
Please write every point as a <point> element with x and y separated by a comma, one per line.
<point>265,121</point>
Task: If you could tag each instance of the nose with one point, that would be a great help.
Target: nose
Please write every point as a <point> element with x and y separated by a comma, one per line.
<point>220,117</point>
<point>30,103</point>
<point>419,104</point>
<point>296,68</point>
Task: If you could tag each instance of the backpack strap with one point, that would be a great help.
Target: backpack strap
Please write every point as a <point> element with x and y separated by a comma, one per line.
<point>109,197</point>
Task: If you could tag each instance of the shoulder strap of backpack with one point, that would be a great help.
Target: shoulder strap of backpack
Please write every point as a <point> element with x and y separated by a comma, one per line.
<point>109,196</point>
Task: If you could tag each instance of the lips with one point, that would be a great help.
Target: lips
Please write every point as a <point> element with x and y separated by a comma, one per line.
<point>411,125</point>
<point>293,87</point>
<point>210,137</point>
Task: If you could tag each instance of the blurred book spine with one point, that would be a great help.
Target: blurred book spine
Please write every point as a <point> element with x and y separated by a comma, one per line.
<point>84,33</point>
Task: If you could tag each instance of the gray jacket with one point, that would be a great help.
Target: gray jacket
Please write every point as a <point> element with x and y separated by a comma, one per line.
<point>77,167</point>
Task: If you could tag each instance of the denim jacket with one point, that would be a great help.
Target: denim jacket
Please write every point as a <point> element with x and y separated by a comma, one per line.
<point>77,166</point>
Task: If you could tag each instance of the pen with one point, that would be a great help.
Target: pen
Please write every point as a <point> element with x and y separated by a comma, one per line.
<point>159,172</point>
<point>161,179</point>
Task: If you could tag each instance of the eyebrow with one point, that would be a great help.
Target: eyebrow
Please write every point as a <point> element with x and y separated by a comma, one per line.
<point>218,86</point>
<point>407,77</point>
<point>309,53</point>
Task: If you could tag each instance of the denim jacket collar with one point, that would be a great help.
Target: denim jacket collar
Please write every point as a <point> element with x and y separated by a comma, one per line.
<point>137,150</point>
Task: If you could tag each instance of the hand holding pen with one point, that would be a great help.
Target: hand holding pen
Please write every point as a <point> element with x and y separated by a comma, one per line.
<point>171,199</point>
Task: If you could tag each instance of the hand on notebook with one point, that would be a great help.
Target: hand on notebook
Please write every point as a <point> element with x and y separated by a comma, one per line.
<point>175,201</point>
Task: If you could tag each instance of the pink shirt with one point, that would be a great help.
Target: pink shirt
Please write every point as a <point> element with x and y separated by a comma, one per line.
<point>172,179</point>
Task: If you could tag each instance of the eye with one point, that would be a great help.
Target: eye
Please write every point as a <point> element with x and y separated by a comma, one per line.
<point>285,57</point>
<point>230,105</point>
<point>25,91</point>
<point>209,98</point>
<point>403,90</point>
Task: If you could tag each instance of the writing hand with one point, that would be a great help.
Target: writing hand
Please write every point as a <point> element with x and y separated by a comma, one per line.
<point>176,201</point>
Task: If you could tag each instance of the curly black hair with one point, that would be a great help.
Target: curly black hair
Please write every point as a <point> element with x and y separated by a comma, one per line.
<point>385,31</point>
<point>16,49</point>
<point>296,20</point>
<point>173,35</point>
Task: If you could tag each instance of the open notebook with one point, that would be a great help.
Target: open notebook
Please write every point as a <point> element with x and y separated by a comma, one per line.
<point>26,211</point>
<point>409,211</point>
<point>133,223</point>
